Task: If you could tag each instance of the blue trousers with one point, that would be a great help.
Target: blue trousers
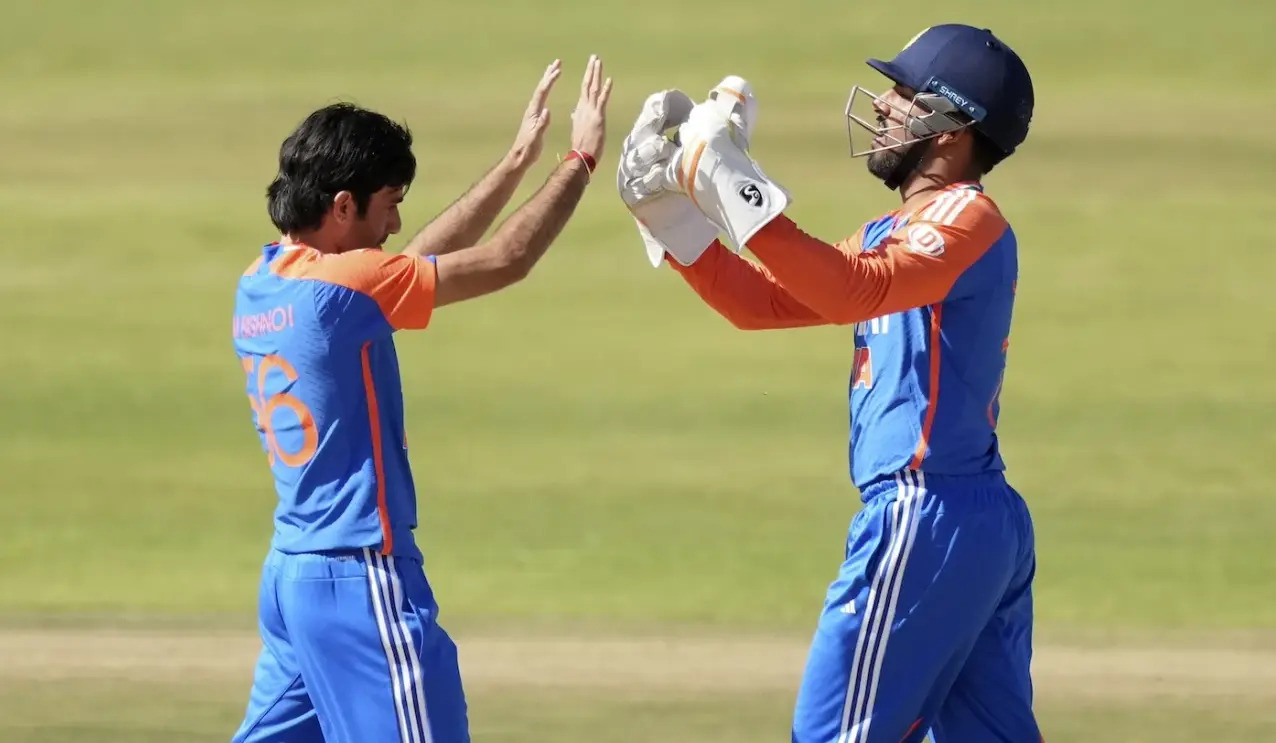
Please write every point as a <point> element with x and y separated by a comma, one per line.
<point>928,626</point>
<point>352,653</point>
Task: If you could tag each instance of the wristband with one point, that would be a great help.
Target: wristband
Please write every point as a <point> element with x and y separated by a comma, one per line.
<point>590,162</point>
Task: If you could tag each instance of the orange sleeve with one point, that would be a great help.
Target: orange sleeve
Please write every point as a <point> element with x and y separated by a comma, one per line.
<point>743,292</point>
<point>401,285</point>
<point>913,267</point>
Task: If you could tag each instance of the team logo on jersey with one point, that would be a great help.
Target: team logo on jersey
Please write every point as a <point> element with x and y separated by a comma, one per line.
<point>925,239</point>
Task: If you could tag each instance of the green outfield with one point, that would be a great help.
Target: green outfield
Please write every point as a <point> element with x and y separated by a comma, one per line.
<point>630,510</point>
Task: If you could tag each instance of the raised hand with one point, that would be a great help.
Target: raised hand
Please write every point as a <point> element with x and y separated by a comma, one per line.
<point>589,119</point>
<point>531,132</point>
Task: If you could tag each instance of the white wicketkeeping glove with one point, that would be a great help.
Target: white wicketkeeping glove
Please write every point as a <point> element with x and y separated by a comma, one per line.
<point>667,220</point>
<point>714,168</point>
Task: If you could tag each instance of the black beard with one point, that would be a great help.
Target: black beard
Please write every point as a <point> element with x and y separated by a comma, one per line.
<point>882,164</point>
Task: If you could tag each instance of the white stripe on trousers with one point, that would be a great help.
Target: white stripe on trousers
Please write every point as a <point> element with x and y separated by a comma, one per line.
<point>879,609</point>
<point>406,677</point>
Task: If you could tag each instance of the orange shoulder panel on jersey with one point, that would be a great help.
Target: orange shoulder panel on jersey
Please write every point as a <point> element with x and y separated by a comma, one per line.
<point>743,292</point>
<point>401,285</point>
<point>915,266</point>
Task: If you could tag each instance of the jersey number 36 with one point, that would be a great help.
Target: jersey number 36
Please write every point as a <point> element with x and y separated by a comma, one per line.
<point>280,411</point>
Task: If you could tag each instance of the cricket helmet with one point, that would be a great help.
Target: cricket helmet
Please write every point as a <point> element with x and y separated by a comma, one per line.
<point>962,76</point>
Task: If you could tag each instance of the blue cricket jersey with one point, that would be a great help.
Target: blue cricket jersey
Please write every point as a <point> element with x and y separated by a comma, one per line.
<point>930,294</point>
<point>313,332</point>
<point>926,381</point>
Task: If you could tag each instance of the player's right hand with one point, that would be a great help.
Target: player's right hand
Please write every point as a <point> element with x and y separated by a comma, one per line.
<point>531,132</point>
<point>589,119</point>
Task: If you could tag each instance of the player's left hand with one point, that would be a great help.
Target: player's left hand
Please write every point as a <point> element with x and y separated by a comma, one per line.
<point>667,221</point>
<point>531,132</point>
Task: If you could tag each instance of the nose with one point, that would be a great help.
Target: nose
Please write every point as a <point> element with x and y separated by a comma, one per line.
<point>881,108</point>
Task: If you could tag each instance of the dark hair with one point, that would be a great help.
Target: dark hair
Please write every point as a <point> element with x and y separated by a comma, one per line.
<point>340,147</point>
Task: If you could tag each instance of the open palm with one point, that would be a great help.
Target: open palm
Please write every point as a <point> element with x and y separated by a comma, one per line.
<point>531,133</point>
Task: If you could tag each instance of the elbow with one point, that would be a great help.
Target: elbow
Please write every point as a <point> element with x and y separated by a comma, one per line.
<point>509,267</point>
<point>837,313</point>
<point>847,318</point>
<point>519,260</point>
<point>516,270</point>
<point>746,321</point>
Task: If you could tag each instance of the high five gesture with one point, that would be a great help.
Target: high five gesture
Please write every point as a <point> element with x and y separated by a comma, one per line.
<point>509,255</point>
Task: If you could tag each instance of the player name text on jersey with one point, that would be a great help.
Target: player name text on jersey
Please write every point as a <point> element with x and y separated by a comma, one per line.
<point>260,323</point>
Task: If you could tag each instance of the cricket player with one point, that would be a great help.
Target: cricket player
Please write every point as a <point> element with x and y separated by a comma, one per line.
<point>353,651</point>
<point>928,624</point>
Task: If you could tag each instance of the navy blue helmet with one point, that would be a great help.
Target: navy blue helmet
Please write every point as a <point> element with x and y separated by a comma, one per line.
<point>962,76</point>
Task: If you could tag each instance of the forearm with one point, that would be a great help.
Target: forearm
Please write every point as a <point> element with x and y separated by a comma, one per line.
<point>509,255</point>
<point>744,293</point>
<point>463,223</point>
<point>527,234</point>
<point>843,286</point>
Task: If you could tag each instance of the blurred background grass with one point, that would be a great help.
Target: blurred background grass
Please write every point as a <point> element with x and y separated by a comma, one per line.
<point>594,448</point>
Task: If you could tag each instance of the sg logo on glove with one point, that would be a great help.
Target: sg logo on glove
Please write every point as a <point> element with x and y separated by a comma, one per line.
<point>681,207</point>
<point>752,195</point>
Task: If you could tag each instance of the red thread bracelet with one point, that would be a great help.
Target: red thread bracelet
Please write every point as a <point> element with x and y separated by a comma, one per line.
<point>590,162</point>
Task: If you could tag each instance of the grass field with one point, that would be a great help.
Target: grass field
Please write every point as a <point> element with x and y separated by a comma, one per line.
<point>630,510</point>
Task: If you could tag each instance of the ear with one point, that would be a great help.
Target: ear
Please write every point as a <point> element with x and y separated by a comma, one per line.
<point>344,208</point>
<point>960,141</point>
<point>949,138</point>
